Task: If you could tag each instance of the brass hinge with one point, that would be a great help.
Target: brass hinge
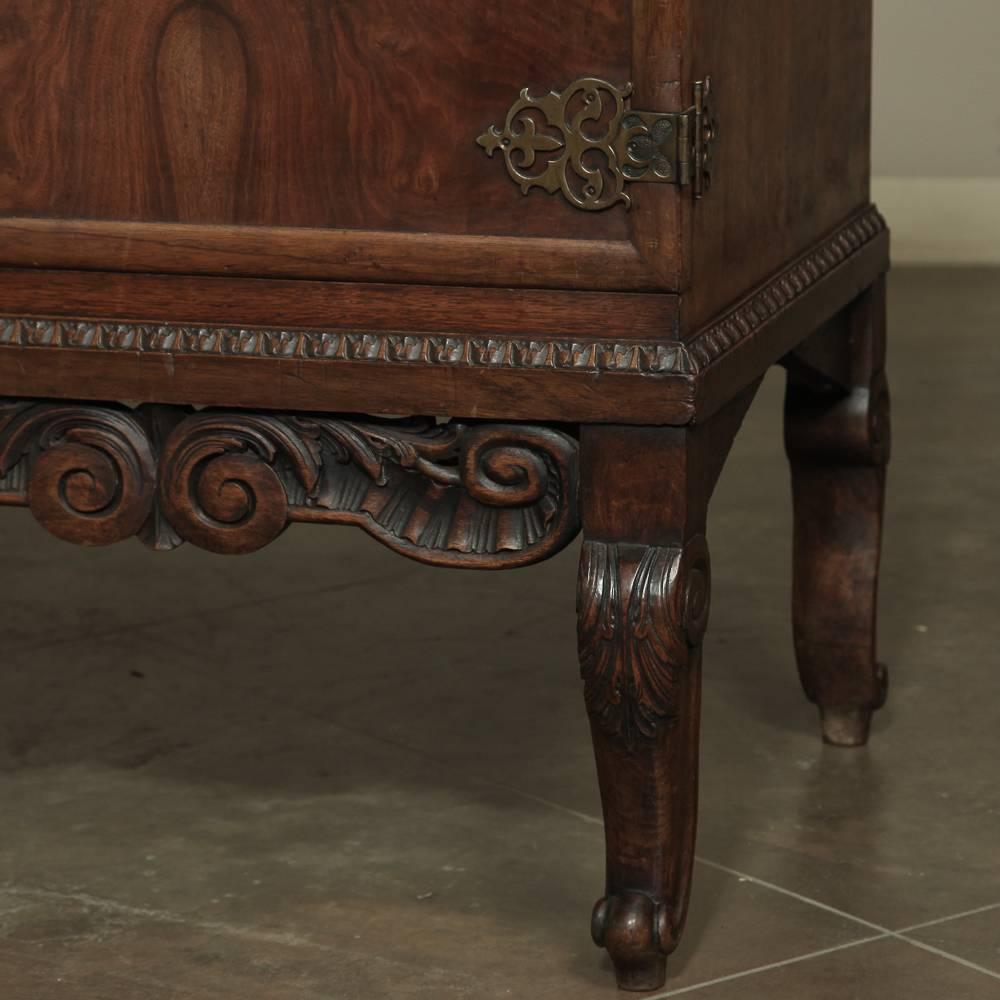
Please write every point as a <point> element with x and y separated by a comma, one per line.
<point>587,143</point>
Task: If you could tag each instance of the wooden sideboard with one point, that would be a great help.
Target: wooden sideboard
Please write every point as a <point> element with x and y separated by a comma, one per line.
<point>563,244</point>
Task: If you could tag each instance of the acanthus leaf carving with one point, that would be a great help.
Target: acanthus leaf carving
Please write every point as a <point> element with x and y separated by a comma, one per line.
<point>642,611</point>
<point>451,494</point>
<point>446,494</point>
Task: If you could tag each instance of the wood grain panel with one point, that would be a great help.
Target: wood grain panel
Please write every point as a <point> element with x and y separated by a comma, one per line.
<point>336,254</point>
<point>329,305</point>
<point>202,87</point>
<point>791,82</point>
<point>356,114</point>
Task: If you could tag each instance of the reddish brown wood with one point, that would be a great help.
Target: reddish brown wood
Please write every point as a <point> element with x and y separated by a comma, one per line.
<point>279,210</point>
<point>87,472</point>
<point>209,137</point>
<point>643,608</point>
<point>489,496</point>
<point>326,305</point>
<point>559,365</point>
<point>235,112</point>
<point>793,78</point>
<point>331,254</point>
<point>838,443</point>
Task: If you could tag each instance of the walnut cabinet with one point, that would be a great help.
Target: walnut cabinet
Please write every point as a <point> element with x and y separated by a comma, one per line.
<point>562,242</point>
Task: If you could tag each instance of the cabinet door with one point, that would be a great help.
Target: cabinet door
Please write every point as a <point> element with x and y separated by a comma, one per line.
<point>319,138</point>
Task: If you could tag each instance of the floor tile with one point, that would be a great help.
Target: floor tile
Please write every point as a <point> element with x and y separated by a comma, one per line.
<point>65,592</point>
<point>329,862</point>
<point>976,938</point>
<point>872,971</point>
<point>208,763</point>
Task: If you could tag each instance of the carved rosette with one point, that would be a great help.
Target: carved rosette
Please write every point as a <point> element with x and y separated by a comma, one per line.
<point>483,495</point>
<point>642,610</point>
<point>87,472</point>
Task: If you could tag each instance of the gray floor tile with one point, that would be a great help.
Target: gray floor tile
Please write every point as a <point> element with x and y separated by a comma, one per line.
<point>215,773</point>
<point>976,938</point>
<point>336,864</point>
<point>874,971</point>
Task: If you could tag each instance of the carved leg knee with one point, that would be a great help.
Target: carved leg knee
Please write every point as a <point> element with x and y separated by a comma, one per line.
<point>642,607</point>
<point>643,611</point>
<point>838,445</point>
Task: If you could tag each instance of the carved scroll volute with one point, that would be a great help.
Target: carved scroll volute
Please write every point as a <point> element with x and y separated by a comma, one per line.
<point>91,470</point>
<point>529,475</point>
<point>486,496</point>
<point>221,483</point>
<point>642,611</point>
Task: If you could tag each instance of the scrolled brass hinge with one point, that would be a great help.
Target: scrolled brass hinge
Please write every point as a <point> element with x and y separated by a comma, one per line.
<point>587,143</point>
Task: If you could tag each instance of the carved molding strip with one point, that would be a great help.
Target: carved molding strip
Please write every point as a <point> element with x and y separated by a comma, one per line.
<point>664,358</point>
<point>778,294</point>
<point>669,357</point>
<point>642,610</point>
<point>484,496</point>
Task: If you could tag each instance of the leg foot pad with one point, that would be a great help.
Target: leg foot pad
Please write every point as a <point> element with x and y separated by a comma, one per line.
<point>636,931</point>
<point>850,727</point>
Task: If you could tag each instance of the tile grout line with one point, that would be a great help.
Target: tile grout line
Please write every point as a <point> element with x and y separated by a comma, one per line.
<point>945,920</point>
<point>884,933</point>
<point>843,914</point>
<point>768,968</point>
<point>948,955</point>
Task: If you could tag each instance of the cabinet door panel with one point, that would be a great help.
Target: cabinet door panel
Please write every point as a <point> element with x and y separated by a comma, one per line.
<point>124,122</point>
<point>338,115</point>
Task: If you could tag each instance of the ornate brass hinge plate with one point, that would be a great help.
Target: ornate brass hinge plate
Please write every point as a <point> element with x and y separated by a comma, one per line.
<point>587,143</point>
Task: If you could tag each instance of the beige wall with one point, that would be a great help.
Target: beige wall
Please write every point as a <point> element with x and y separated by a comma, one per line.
<point>937,88</point>
<point>936,139</point>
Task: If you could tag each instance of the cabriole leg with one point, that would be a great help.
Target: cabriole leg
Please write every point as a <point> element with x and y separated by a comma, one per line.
<point>838,446</point>
<point>643,608</point>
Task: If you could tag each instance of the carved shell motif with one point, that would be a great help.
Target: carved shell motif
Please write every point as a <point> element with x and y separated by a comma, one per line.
<point>642,610</point>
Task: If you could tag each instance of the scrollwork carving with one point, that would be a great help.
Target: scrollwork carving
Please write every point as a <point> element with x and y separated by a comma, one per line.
<point>451,494</point>
<point>484,495</point>
<point>642,610</point>
<point>87,472</point>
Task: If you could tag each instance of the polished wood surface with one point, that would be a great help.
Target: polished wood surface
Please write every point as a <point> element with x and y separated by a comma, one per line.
<point>557,366</point>
<point>279,211</point>
<point>209,137</point>
<point>357,115</point>
<point>838,444</point>
<point>643,607</point>
<point>794,92</point>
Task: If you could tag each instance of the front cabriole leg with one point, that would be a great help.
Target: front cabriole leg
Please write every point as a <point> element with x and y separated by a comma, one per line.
<point>643,602</point>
